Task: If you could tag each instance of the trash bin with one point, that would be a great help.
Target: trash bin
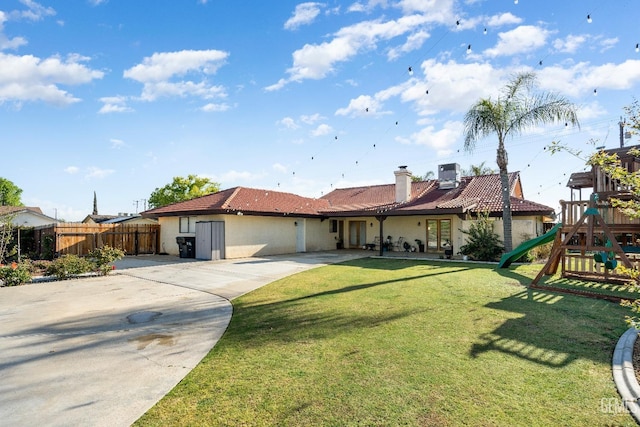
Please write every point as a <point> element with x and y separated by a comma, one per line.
<point>186,246</point>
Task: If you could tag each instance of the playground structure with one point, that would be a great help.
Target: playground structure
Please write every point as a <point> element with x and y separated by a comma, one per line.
<point>592,247</point>
<point>593,238</point>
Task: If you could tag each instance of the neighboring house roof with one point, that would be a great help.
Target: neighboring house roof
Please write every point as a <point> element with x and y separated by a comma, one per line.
<point>126,218</point>
<point>26,215</point>
<point>5,210</point>
<point>474,194</point>
<point>241,200</point>
<point>98,219</point>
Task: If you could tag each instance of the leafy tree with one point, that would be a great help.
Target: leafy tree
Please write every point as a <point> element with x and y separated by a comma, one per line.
<point>9,193</point>
<point>517,109</point>
<point>181,189</point>
<point>478,170</point>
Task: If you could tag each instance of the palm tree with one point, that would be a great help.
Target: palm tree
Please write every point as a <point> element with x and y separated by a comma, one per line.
<point>517,109</point>
<point>427,176</point>
<point>478,170</point>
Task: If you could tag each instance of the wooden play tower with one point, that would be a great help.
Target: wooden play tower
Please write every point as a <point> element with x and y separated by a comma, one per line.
<point>596,238</point>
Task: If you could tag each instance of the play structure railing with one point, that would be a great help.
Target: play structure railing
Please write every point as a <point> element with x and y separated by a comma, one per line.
<point>573,211</point>
<point>584,266</point>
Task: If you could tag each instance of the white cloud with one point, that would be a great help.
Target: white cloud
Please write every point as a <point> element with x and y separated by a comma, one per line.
<point>304,14</point>
<point>278,167</point>
<point>569,44</point>
<point>439,11</point>
<point>289,123</point>
<point>363,106</point>
<point>503,19</point>
<point>322,130</point>
<point>165,65</point>
<point>215,108</point>
<point>368,6</point>
<point>29,78</point>
<point>590,111</point>
<point>609,43</point>
<point>522,39</point>
<point>155,90</point>
<point>98,173</point>
<point>440,140</point>
<point>414,42</point>
<point>5,42</point>
<point>71,170</point>
<point>311,119</point>
<point>316,61</point>
<point>117,143</point>
<point>581,78</point>
<point>35,11</point>
<point>157,71</point>
<point>114,104</point>
<point>453,86</point>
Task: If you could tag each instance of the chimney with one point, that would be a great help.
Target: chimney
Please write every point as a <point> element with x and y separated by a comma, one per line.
<point>403,184</point>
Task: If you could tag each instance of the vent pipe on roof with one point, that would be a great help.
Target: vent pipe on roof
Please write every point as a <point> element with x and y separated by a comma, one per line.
<point>403,184</point>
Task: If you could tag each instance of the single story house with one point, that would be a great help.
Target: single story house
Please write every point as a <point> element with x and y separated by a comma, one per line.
<point>25,216</point>
<point>428,215</point>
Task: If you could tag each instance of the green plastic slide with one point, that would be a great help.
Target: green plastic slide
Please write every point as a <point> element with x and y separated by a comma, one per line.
<point>524,247</point>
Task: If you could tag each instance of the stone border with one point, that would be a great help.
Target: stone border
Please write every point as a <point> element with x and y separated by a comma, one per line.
<point>623,373</point>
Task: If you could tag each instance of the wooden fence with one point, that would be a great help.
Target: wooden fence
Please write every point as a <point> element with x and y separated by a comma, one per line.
<point>80,239</point>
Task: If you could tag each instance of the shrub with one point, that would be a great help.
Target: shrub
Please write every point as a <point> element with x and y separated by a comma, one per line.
<point>104,256</point>
<point>68,266</point>
<point>47,247</point>
<point>14,275</point>
<point>541,253</point>
<point>483,243</point>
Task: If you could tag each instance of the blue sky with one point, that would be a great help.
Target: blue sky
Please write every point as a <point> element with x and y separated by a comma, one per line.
<point>118,97</point>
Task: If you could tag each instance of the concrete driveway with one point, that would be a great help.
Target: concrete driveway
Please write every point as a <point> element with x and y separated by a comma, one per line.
<point>103,350</point>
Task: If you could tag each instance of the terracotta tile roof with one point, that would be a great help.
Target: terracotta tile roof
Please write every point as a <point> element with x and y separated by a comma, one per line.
<point>245,200</point>
<point>373,197</point>
<point>475,193</point>
<point>479,193</point>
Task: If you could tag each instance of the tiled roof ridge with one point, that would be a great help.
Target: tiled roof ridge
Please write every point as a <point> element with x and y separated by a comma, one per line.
<point>228,200</point>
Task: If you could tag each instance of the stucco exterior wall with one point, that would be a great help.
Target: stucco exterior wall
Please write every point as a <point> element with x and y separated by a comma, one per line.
<point>247,236</point>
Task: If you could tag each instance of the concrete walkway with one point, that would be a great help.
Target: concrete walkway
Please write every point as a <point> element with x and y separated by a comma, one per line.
<point>103,350</point>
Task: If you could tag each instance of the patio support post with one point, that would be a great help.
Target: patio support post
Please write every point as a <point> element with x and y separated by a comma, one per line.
<point>381,219</point>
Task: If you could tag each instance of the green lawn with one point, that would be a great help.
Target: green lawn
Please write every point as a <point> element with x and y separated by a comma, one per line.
<point>379,342</point>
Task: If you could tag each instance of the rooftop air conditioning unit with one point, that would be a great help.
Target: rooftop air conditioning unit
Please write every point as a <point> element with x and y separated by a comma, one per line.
<point>449,176</point>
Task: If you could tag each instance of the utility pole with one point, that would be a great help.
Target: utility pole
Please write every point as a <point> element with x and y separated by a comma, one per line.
<point>621,124</point>
<point>144,203</point>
